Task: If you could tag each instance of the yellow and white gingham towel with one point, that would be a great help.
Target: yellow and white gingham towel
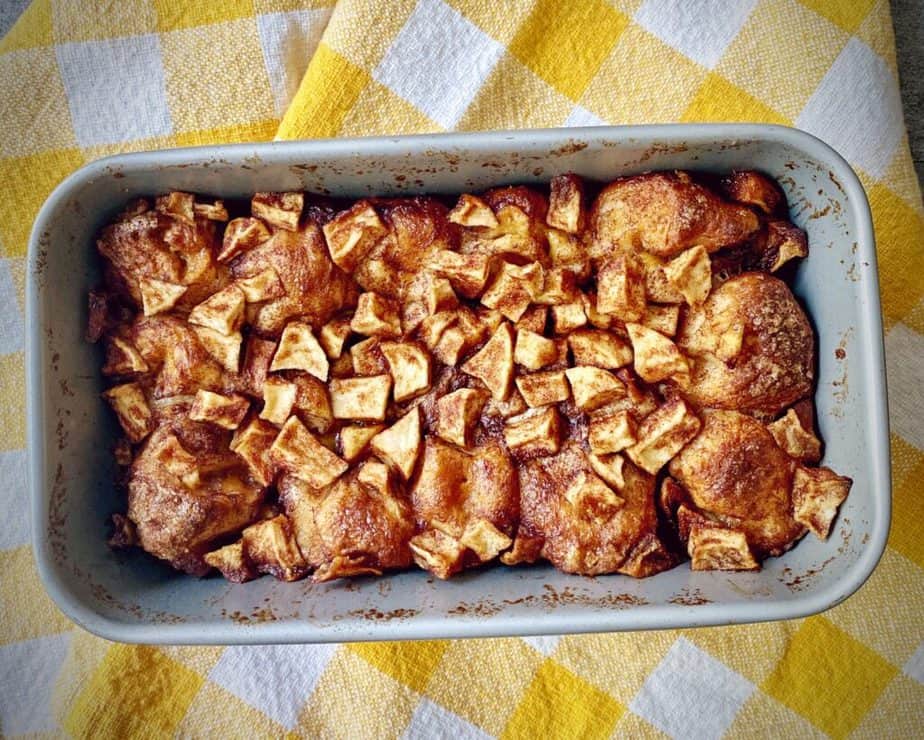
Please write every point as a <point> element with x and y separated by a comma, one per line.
<point>81,79</point>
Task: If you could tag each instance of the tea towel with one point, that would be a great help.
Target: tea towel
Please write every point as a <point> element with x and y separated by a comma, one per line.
<point>80,79</point>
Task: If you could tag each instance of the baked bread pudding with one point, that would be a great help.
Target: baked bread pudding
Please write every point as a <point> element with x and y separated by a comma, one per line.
<point>611,379</point>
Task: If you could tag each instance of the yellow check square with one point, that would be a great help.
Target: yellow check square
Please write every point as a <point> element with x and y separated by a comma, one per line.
<point>559,704</point>
<point>32,29</point>
<point>27,611</point>
<point>90,20</point>
<point>27,182</point>
<point>848,14</point>
<point>900,247</point>
<point>409,663</point>
<point>215,76</point>
<point>326,95</point>
<point>828,677</point>
<point>719,100</point>
<point>554,41</point>
<point>172,15</point>
<point>137,691</point>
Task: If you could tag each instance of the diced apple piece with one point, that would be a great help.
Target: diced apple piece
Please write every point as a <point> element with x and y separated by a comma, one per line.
<point>399,445</point>
<point>513,289</point>
<point>352,234</point>
<point>278,400</point>
<point>226,412</point>
<point>718,548</point>
<point>232,563</point>
<point>567,317</point>
<point>559,286</point>
<point>440,296</point>
<point>690,273</point>
<point>535,433</point>
<point>257,359</point>
<point>368,358</point>
<point>131,407</point>
<point>363,399</point>
<point>437,552</point>
<point>592,498</point>
<point>158,296</point>
<point>333,337</point>
<point>471,211</point>
<point>611,432</point>
<point>271,546</point>
<point>542,389</point>
<point>410,369</point>
<point>297,451</point>
<point>222,312</point>
<point>621,287</point>
<point>794,439</point>
<point>352,440</point>
<point>300,350</point>
<point>609,468</point>
<point>484,539</point>
<point>566,203</point>
<point>662,434</point>
<point>656,357</point>
<point>592,387</point>
<point>282,210</point>
<point>599,348</point>
<point>817,493</point>
<point>177,460</point>
<point>123,358</point>
<point>264,286</point>
<point>662,319</point>
<point>467,273</point>
<point>242,234</point>
<point>211,211</point>
<point>534,351</point>
<point>376,317</point>
<point>178,205</point>
<point>253,443</point>
<point>458,413</point>
<point>493,363</point>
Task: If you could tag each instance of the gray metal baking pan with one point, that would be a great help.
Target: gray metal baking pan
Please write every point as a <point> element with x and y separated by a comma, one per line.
<point>131,598</point>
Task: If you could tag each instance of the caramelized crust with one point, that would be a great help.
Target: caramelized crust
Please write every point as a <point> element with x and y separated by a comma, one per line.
<point>342,389</point>
<point>774,366</point>
<point>594,532</point>
<point>315,288</point>
<point>664,214</point>
<point>734,472</point>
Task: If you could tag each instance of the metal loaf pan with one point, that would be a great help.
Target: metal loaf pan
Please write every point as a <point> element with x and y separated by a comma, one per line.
<point>129,597</point>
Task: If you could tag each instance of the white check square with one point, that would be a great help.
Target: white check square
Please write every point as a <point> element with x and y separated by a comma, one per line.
<point>690,694</point>
<point>915,665</point>
<point>14,500</point>
<point>701,30</point>
<point>28,671</point>
<point>276,679</point>
<point>544,644</point>
<point>438,62</point>
<point>11,323</point>
<point>905,377</point>
<point>857,109</point>
<point>115,89</point>
<point>580,116</point>
<point>432,722</point>
<point>288,41</point>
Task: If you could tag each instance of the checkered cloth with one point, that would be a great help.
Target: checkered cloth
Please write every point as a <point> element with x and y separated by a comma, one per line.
<point>79,80</point>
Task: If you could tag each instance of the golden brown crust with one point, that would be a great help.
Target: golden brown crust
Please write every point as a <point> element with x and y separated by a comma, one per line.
<point>665,213</point>
<point>339,389</point>
<point>734,471</point>
<point>774,367</point>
